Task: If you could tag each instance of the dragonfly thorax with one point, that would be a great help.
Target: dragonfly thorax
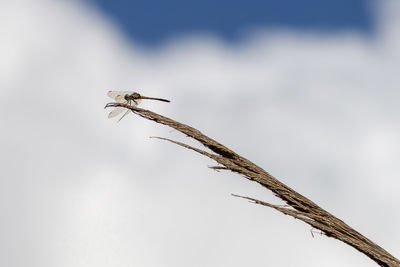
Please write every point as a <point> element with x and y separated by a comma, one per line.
<point>132,97</point>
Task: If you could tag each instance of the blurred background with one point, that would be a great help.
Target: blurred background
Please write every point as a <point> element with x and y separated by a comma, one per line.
<point>306,89</point>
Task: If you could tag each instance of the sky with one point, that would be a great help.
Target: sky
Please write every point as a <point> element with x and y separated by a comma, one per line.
<point>155,22</point>
<point>318,109</point>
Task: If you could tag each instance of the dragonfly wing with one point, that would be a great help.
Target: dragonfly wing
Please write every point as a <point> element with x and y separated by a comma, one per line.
<point>116,112</point>
<point>113,94</point>
<point>118,96</point>
<point>126,113</point>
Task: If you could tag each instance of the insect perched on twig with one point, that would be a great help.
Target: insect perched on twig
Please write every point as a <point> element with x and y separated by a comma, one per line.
<point>127,97</point>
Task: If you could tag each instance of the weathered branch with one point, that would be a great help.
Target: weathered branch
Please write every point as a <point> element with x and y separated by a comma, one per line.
<point>299,207</point>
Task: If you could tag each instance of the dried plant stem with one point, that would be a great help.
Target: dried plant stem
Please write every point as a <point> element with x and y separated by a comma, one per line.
<point>299,207</point>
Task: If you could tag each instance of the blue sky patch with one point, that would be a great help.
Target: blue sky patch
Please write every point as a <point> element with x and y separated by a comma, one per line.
<point>154,21</point>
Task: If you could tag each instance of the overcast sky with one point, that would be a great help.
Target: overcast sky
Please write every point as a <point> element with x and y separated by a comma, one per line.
<point>317,109</point>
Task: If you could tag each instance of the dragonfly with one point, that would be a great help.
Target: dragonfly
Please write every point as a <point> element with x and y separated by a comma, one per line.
<point>130,98</point>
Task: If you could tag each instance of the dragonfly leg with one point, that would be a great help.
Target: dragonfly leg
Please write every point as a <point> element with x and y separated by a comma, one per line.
<point>126,113</point>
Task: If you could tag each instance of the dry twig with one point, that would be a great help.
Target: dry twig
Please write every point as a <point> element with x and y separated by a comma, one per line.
<point>299,207</point>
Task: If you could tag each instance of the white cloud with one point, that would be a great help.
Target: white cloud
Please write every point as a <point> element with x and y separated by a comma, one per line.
<point>317,111</point>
